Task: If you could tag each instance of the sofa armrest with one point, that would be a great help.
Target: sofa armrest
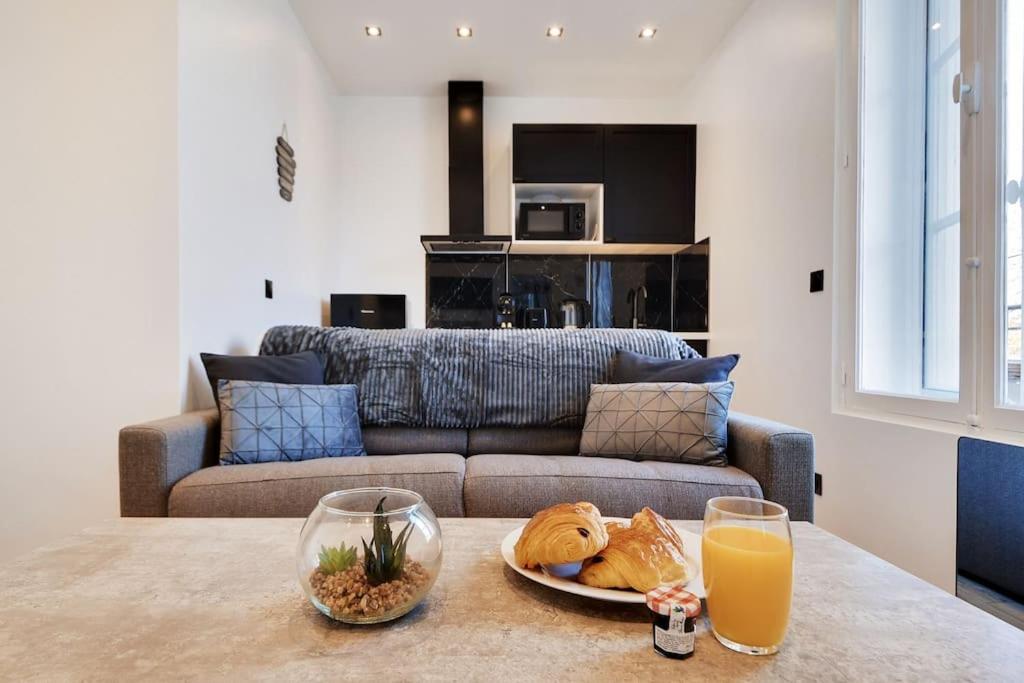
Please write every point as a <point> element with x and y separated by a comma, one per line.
<point>780,457</point>
<point>154,456</point>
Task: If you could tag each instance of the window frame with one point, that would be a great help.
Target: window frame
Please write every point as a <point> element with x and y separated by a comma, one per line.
<point>847,213</point>
<point>989,151</point>
<point>982,307</point>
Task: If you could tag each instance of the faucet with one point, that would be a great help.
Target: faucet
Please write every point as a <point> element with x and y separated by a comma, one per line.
<point>633,299</point>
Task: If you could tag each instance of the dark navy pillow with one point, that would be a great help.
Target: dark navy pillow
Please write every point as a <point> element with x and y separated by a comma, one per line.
<point>304,367</point>
<point>629,367</point>
<point>267,422</point>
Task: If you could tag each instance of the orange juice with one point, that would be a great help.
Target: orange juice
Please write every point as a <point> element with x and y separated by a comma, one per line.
<point>748,578</point>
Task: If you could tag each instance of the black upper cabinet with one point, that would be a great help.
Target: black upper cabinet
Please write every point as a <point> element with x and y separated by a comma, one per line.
<point>650,183</point>
<point>557,153</point>
<point>649,173</point>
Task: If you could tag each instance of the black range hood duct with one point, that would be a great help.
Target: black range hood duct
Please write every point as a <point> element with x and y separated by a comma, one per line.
<point>465,177</point>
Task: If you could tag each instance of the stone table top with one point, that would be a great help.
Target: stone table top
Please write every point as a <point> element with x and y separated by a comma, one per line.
<point>214,599</point>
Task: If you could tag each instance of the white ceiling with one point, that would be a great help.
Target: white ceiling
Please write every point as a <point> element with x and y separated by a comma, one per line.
<point>599,56</point>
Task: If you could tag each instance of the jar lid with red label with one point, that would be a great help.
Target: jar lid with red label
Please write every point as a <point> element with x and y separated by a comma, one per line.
<point>662,599</point>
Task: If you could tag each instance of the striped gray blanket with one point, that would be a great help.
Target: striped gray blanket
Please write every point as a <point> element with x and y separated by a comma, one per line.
<point>471,378</point>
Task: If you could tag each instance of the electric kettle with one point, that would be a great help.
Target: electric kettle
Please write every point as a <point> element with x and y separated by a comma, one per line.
<point>575,313</point>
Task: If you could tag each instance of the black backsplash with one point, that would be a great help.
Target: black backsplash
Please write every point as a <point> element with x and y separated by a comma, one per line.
<point>620,284</point>
<point>462,290</point>
<point>547,281</point>
<point>692,291</point>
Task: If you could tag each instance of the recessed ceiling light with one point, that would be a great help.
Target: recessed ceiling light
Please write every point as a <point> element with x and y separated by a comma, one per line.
<point>937,25</point>
<point>464,32</point>
<point>374,31</point>
<point>648,32</point>
<point>555,31</point>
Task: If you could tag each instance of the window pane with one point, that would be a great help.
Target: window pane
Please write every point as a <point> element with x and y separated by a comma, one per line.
<point>1013,215</point>
<point>909,247</point>
<point>942,203</point>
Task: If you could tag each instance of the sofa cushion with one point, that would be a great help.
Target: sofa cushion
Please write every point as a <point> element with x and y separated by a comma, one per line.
<point>630,367</point>
<point>499,485</point>
<point>304,367</point>
<point>270,422</point>
<point>399,440</point>
<point>675,422</point>
<point>525,440</point>
<point>292,489</point>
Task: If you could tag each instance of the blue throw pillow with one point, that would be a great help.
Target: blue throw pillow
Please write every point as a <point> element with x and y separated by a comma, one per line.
<point>268,422</point>
<point>629,368</point>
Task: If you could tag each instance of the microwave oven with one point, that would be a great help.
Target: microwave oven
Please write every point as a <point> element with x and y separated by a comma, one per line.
<point>552,221</point>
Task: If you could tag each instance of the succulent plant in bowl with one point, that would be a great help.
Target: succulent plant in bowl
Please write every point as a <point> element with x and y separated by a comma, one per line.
<point>396,569</point>
<point>384,558</point>
<point>337,559</point>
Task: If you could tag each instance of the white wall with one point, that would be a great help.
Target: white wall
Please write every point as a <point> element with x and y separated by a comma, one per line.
<point>89,256</point>
<point>246,68</point>
<point>765,103</point>
<point>392,154</point>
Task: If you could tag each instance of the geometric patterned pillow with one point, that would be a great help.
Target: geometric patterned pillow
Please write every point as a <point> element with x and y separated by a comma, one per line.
<point>672,421</point>
<point>268,422</point>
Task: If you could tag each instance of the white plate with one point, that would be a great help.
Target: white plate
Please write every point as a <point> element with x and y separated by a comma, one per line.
<point>691,550</point>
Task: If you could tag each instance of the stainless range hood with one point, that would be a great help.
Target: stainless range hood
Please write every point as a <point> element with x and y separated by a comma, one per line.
<point>465,244</point>
<point>465,177</point>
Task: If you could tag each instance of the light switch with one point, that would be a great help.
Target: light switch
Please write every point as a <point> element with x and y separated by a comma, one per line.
<point>818,281</point>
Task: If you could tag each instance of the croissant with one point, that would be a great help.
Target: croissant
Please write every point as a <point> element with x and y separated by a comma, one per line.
<point>569,532</point>
<point>612,527</point>
<point>652,522</point>
<point>642,556</point>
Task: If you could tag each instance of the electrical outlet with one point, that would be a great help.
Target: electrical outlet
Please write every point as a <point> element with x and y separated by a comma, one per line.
<point>818,281</point>
<point>268,289</point>
<point>817,484</point>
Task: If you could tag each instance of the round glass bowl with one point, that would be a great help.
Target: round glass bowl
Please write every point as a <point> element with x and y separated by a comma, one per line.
<point>369,555</point>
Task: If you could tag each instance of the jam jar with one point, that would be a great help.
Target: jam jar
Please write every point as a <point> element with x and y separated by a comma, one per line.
<point>674,613</point>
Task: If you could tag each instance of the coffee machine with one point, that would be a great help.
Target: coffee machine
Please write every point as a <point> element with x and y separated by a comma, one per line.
<point>505,318</point>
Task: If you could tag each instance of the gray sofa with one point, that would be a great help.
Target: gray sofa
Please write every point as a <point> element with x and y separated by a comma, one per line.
<point>170,467</point>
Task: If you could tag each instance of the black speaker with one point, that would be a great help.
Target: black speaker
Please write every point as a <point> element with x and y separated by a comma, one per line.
<point>369,311</point>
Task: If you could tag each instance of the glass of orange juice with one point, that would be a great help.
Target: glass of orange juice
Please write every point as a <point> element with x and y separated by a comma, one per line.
<point>747,552</point>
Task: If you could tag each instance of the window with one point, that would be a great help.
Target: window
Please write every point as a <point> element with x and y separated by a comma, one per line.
<point>941,323</point>
<point>930,210</point>
<point>909,228</point>
<point>1012,219</point>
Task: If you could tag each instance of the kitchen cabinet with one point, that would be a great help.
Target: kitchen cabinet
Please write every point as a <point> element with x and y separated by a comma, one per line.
<point>557,153</point>
<point>649,183</point>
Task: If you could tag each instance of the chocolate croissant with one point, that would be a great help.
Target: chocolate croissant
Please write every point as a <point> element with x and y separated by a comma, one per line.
<point>569,532</point>
<point>642,556</point>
